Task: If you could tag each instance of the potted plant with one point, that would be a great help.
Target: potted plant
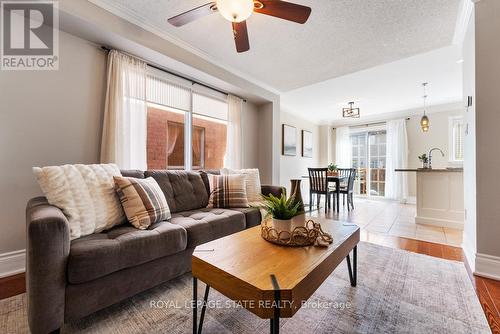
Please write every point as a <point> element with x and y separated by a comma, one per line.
<point>284,212</point>
<point>424,159</point>
<point>333,170</point>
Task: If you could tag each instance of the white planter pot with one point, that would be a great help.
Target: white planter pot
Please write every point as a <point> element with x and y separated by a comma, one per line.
<point>282,225</point>
<point>289,224</point>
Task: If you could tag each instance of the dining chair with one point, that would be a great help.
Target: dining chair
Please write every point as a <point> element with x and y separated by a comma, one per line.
<point>318,185</point>
<point>348,176</point>
<point>347,190</point>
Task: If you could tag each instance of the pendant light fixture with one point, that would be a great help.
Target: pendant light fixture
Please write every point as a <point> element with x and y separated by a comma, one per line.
<point>350,111</point>
<point>424,121</point>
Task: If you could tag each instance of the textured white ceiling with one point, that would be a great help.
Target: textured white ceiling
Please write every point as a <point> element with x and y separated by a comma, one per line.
<point>382,91</point>
<point>341,36</point>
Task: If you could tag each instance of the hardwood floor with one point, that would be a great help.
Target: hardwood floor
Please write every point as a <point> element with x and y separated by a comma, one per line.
<point>12,285</point>
<point>488,290</point>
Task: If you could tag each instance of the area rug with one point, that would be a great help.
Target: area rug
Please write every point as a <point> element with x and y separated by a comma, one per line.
<point>397,292</point>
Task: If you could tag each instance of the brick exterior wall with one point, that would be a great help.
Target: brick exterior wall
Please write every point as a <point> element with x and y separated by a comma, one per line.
<point>157,140</point>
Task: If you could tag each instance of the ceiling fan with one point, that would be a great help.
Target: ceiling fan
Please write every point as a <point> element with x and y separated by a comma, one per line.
<point>238,11</point>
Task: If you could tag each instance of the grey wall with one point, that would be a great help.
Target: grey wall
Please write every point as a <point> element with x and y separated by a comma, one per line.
<point>250,127</point>
<point>265,142</point>
<point>47,118</point>
<point>487,63</point>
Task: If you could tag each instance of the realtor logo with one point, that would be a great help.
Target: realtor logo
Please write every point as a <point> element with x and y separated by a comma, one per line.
<point>29,35</point>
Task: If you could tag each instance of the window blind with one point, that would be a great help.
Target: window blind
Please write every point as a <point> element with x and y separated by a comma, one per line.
<point>209,106</point>
<point>161,91</point>
<point>458,139</point>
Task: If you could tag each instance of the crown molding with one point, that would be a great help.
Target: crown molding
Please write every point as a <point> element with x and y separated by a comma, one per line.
<point>465,12</point>
<point>138,20</point>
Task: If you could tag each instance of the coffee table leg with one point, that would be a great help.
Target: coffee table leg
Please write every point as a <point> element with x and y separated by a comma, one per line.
<point>195,304</point>
<point>353,271</point>
<point>203,308</point>
<point>197,328</point>
<point>275,321</point>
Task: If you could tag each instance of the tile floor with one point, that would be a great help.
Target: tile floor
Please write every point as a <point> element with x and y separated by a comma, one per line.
<point>395,219</point>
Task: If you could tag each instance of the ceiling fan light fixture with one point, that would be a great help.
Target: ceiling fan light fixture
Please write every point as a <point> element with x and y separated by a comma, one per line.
<point>235,10</point>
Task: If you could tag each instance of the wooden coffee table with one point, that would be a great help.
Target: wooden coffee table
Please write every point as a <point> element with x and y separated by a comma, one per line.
<point>270,281</point>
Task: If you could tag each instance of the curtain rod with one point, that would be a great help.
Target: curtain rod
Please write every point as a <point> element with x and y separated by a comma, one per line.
<point>193,82</point>
<point>371,124</point>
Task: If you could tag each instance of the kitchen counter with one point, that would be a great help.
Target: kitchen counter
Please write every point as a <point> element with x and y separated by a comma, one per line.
<point>440,196</point>
<point>430,170</point>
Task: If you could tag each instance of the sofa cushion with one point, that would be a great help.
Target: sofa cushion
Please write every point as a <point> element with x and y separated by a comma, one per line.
<point>183,190</point>
<point>253,217</point>
<point>138,174</point>
<point>209,224</point>
<point>124,246</point>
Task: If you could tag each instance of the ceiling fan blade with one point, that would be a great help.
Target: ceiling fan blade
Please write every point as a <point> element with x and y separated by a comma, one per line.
<point>284,10</point>
<point>193,14</point>
<point>240,33</point>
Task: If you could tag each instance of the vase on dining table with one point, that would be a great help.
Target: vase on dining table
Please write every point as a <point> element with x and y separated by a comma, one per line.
<point>296,194</point>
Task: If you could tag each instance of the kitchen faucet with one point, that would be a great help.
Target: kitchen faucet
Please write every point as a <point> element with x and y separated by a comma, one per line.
<point>430,155</point>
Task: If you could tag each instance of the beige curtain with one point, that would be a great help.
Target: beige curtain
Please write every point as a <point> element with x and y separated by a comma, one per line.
<point>124,133</point>
<point>233,150</point>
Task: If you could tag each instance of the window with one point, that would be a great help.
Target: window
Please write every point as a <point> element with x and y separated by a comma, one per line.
<point>185,129</point>
<point>369,157</point>
<point>456,131</point>
<point>209,132</point>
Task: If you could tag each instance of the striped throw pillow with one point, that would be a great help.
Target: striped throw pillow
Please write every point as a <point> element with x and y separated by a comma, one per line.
<point>143,201</point>
<point>252,177</point>
<point>228,191</point>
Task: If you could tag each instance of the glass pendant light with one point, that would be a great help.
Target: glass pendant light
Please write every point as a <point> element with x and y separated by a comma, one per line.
<point>424,121</point>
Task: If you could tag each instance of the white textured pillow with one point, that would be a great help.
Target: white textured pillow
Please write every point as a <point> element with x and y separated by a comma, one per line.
<point>252,179</point>
<point>85,194</point>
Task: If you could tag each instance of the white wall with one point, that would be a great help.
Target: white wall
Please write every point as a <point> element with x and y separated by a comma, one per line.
<point>421,142</point>
<point>47,118</point>
<point>469,89</point>
<point>294,167</point>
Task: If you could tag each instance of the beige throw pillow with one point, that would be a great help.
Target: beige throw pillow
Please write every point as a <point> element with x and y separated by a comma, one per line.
<point>228,191</point>
<point>85,194</point>
<point>143,201</point>
<point>252,178</point>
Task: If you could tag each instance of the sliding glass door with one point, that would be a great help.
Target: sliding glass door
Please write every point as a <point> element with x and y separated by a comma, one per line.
<point>369,157</point>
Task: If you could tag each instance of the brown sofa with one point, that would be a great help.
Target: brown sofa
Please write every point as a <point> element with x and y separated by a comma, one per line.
<point>67,280</point>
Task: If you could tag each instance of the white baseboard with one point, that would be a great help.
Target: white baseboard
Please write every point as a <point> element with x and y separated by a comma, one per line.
<point>487,266</point>
<point>470,254</point>
<point>411,200</point>
<point>12,263</point>
<point>439,222</point>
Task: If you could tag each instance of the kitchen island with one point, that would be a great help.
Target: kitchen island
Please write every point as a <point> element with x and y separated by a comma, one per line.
<point>440,196</point>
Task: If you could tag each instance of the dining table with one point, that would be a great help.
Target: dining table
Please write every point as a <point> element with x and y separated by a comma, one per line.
<point>337,179</point>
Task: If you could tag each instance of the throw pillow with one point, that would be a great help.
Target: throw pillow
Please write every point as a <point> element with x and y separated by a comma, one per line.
<point>85,194</point>
<point>228,191</point>
<point>252,178</point>
<point>143,201</point>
